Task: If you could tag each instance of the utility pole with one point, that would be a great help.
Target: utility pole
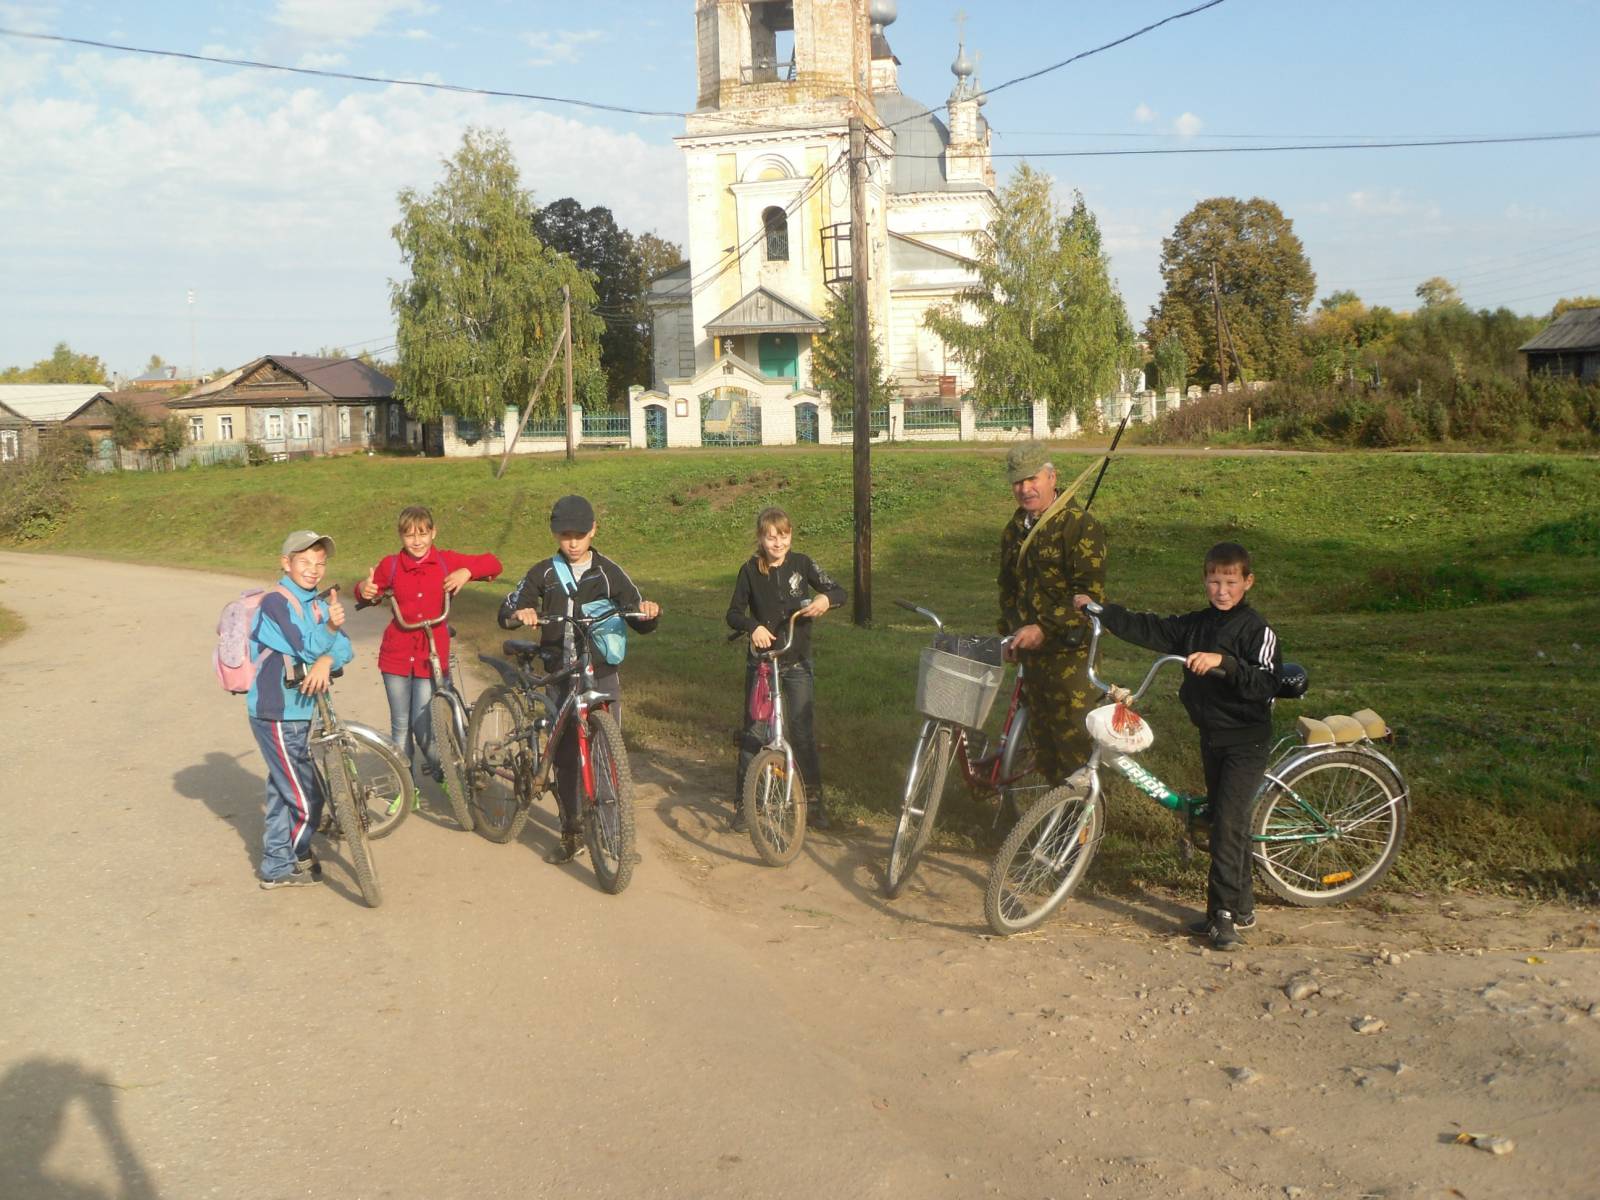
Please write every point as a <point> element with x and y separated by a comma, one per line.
<point>861,360</point>
<point>566,336</point>
<point>1216,310</point>
<point>194,354</point>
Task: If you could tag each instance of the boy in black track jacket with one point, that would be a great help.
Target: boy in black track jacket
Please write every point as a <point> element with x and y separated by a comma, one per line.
<point>1231,678</point>
<point>541,591</point>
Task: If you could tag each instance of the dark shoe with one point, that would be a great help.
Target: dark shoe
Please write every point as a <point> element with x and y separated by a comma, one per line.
<point>292,879</point>
<point>568,848</point>
<point>737,822</point>
<point>1202,927</point>
<point>1224,935</point>
<point>309,865</point>
<point>817,816</point>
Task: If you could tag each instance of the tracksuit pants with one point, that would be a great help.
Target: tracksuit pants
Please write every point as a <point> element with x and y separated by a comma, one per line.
<point>294,798</point>
<point>1233,776</point>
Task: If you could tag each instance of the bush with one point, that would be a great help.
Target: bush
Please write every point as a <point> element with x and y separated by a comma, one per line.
<point>35,498</point>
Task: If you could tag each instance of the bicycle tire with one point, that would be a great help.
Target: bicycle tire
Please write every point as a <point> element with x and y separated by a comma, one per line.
<point>1043,860</point>
<point>777,827</point>
<point>352,829</point>
<point>608,824</point>
<point>499,769</point>
<point>1016,764</point>
<point>447,745</point>
<point>924,782</point>
<point>381,782</point>
<point>1365,802</point>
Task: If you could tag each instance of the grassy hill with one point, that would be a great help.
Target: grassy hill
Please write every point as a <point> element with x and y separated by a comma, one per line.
<point>1455,594</point>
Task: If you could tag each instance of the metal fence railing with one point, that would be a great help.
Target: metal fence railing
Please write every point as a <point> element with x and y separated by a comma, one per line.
<point>845,421</point>
<point>606,425</point>
<point>1007,416</point>
<point>545,428</point>
<point>932,416</point>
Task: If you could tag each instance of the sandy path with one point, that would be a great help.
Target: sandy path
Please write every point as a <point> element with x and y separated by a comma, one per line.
<point>501,1028</point>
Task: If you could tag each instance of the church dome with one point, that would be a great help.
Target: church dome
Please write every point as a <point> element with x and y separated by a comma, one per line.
<point>920,141</point>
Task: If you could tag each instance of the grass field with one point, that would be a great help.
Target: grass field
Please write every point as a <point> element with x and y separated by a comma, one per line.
<point>1457,594</point>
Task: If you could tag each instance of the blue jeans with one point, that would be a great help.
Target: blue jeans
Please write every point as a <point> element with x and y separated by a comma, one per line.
<point>409,724</point>
<point>294,798</point>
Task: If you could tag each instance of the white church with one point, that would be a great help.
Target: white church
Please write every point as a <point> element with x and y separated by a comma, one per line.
<point>768,199</point>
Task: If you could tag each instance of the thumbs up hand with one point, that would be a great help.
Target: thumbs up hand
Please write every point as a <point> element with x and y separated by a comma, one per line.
<point>367,589</point>
<point>335,609</point>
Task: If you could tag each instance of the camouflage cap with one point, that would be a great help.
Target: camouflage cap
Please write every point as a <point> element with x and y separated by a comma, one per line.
<point>1025,460</point>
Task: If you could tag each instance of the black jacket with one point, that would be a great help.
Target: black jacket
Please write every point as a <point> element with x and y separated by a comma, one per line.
<point>541,589</point>
<point>1236,708</point>
<point>769,599</point>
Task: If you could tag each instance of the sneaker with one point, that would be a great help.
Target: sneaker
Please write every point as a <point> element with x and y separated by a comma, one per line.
<point>737,823</point>
<point>1224,935</point>
<point>309,865</point>
<point>1202,927</point>
<point>568,848</point>
<point>292,879</point>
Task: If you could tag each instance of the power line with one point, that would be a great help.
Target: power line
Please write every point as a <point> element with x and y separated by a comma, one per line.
<point>1577,135</point>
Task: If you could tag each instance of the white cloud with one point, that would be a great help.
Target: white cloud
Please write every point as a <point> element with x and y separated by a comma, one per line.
<point>1391,202</point>
<point>318,60</point>
<point>30,18</point>
<point>1187,125</point>
<point>416,35</point>
<point>343,20</point>
<point>560,46</point>
<point>1144,114</point>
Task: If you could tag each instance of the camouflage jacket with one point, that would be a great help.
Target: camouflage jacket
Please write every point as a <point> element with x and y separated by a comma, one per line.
<point>1067,557</point>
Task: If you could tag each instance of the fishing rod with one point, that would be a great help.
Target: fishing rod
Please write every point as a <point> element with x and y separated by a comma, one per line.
<point>1106,461</point>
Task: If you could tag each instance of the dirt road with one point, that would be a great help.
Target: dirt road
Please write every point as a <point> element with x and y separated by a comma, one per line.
<point>502,1028</point>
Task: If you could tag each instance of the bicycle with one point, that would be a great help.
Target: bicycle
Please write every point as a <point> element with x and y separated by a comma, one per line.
<point>957,681</point>
<point>448,714</point>
<point>354,793</point>
<point>774,795</point>
<point>511,743</point>
<point>1325,825</point>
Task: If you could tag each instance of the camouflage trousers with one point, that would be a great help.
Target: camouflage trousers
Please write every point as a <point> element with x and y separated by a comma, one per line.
<point>1057,691</point>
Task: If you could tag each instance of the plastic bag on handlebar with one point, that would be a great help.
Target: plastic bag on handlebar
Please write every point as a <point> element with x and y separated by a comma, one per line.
<point>761,694</point>
<point>978,648</point>
<point>1119,729</point>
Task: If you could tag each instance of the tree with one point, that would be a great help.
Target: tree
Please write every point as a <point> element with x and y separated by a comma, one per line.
<point>155,364</point>
<point>1572,302</point>
<point>1048,320</point>
<point>63,366</point>
<point>481,310</point>
<point>1263,277</point>
<point>1171,363</point>
<point>621,267</point>
<point>833,358</point>
<point>169,437</point>
<point>1437,292</point>
<point>1338,299</point>
<point>129,427</point>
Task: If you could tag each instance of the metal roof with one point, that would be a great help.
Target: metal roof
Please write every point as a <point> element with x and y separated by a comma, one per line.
<point>920,139</point>
<point>341,378</point>
<point>763,311</point>
<point>1575,329</point>
<point>48,401</point>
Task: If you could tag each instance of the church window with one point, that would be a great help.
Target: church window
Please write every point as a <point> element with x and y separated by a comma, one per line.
<point>776,223</point>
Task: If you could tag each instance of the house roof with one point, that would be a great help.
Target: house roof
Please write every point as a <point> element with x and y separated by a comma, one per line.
<point>340,378</point>
<point>764,311</point>
<point>913,254</point>
<point>1576,329</point>
<point>40,402</point>
<point>151,405</point>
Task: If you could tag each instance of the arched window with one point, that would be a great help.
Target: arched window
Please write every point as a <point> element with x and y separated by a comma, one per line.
<point>776,223</point>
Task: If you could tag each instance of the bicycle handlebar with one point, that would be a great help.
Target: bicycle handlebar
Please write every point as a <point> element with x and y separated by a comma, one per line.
<point>1093,611</point>
<point>773,652</point>
<point>394,607</point>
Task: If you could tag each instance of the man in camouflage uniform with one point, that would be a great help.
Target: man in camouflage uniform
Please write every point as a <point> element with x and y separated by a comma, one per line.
<point>1066,556</point>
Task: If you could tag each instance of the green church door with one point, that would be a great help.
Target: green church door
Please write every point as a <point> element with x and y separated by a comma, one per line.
<point>779,355</point>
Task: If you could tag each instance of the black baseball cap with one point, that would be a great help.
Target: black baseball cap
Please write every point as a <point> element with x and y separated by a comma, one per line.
<point>572,514</point>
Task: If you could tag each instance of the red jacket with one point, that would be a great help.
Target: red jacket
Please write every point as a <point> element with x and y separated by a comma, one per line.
<point>418,584</point>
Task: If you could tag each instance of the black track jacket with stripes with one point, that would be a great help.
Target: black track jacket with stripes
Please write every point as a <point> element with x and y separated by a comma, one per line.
<point>1236,708</point>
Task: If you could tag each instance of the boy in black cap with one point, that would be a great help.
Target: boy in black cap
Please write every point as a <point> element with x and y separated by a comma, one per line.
<point>542,590</point>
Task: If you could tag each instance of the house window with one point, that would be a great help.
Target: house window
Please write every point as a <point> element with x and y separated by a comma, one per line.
<point>302,424</point>
<point>274,427</point>
<point>394,420</point>
<point>197,429</point>
<point>776,223</point>
<point>8,445</point>
<point>369,421</point>
<point>225,428</point>
<point>344,424</point>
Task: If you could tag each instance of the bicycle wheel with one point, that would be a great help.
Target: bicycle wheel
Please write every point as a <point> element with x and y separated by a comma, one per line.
<point>608,820</point>
<point>380,782</point>
<point>352,825</point>
<point>1043,860</point>
<point>1017,765</point>
<point>447,745</point>
<point>500,764</point>
<point>775,809</point>
<point>1331,829</point>
<point>919,806</point>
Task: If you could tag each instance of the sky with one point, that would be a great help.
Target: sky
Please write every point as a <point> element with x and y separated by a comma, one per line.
<point>129,182</point>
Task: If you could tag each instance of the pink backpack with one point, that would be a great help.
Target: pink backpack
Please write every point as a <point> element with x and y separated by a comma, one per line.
<point>236,670</point>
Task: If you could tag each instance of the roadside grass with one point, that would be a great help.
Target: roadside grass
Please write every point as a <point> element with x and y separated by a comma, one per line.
<point>1457,595</point>
<point>11,624</point>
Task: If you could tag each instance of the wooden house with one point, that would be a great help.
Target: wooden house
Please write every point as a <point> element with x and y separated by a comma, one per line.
<point>1569,345</point>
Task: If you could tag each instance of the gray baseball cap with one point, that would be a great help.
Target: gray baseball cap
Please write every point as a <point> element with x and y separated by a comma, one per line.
<point>304,539</point>
<point>1025,460</point>
<point>571,514</point>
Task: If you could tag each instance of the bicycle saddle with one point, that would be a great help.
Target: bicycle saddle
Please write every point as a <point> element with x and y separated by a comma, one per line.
<point>520,648</point>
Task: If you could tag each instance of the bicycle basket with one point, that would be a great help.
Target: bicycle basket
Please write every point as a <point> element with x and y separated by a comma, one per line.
<point>977,647</point>
<point>957,689</point>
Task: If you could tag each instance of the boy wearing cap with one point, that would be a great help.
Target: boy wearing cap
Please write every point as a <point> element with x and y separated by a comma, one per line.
<point>293,627</point>
<point>1050,552</point>
<point>595,577</point>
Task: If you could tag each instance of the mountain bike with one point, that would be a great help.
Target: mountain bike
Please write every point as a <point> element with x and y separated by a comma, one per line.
<point>1325,826</point>
<point>957,681</point>
<point>774,795</point>
<point>512,741</point>
<point>360,776</point>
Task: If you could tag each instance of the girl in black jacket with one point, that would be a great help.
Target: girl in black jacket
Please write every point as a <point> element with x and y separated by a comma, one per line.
<point>773,585</point>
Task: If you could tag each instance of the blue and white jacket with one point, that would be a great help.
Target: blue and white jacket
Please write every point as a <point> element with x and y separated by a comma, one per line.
<point>290,637</point>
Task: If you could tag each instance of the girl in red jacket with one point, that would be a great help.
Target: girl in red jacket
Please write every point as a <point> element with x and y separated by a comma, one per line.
<point>420,577</point>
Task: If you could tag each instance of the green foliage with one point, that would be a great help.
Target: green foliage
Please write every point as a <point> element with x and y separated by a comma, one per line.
<point>1264,280</point>
<point>482,309</point>
<point>620,266</point>
<point>833,357</point>
<point>1171,362</point>
<point>1572,302</point>
<point>129,427</point>
<point>169,437</point>
<point>36,497</point>
<point>63,366</point>
<point>1047,319</point>
<point>1438,292</point>
<point>255,454</point>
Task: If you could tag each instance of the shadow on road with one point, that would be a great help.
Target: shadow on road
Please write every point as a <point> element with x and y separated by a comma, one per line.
<point>232,793</point>
<point>34,1100</point>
